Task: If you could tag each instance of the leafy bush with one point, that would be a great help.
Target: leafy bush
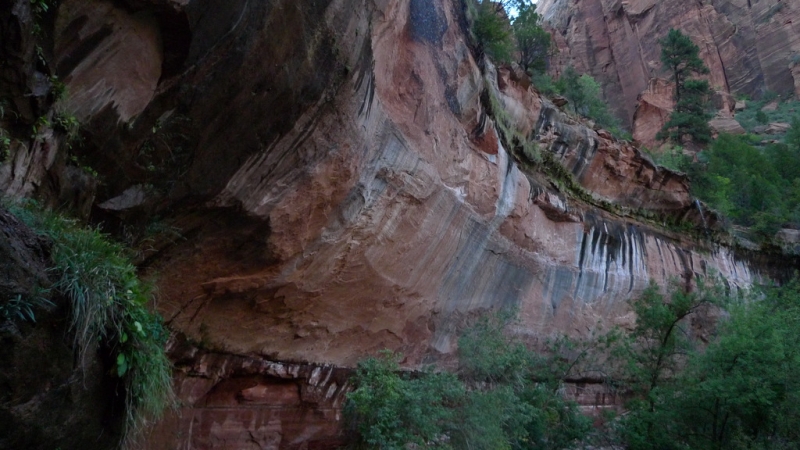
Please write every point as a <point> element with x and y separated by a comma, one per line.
<point>544,83</point>
<point>753,117</point>
<point>673,158</point>
<point>755,188</point>
<point>585,98</point>
<point>390,410</point>
<point>504,397</point>
<point>108,304</point>
<point>492,30</point>
<point>738,393</point>
<point>533,41</point>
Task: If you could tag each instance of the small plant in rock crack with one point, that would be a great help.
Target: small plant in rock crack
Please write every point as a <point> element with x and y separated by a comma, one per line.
<point>23,307</point>
<point>68,124</point>
<point>41,123</point>
<point>5,145</point>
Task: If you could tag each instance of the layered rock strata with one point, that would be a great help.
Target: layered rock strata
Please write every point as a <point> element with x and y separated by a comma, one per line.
<point>339,187</point>
<point>750,48</point>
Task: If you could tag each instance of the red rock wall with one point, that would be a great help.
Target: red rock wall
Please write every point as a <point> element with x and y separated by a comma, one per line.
<point>339,189</point>
<point>748,45</point>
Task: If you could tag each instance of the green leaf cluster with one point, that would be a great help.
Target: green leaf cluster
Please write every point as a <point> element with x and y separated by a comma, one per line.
<point>21,307</point>
<point>739,392</point>
<point>108,305</point>
<point>533,41</point>
<point>503,397</point>
<point>493,31</point>
<point>522,39</point>
<point>586,98</point>
<point>753,187</point>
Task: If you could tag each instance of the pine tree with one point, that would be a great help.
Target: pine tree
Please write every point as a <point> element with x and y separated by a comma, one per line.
<point>680,56</point>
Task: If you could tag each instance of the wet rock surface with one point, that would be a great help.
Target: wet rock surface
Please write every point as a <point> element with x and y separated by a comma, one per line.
<point>337,186</point>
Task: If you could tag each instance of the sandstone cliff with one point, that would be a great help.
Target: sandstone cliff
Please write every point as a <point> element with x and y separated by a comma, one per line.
<point>750,47</point>
<point>339,186</point>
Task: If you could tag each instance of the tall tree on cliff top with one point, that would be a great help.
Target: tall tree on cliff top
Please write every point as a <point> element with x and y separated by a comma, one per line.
<point>533,42</point>
<point>680,56</point>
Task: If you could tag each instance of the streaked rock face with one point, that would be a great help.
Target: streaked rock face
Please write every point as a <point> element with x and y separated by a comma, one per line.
<point>748,46</point>
<point>341,189</point>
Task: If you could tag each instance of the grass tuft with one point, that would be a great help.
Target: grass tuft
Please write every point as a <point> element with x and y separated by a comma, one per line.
<point>109,305</point>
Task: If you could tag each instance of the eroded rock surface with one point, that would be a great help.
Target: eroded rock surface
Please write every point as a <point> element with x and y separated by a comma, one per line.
<point>340,187</point>
<point>747,45</point>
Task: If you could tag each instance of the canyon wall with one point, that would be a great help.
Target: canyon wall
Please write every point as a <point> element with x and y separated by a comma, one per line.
<point>322,180</point>
<point>750,47</point>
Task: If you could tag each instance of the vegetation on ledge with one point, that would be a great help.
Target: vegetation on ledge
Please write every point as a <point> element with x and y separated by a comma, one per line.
<point>728,384</point>
<point>108,307</point>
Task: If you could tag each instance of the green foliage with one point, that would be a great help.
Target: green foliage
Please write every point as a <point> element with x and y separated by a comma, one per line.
<point>41,9</point>
<point>755,188</point>
<point>41,123</point>
<point>792,138</point>
<point>738,393</point>
<point>68,124</point>
<point>22,307</point>
<point>505,397</point>
<point>492,31</point>
<point>544,83</point>
<point>533,42</point>
<point>681,57</point>
<point>752,117</point>
<point>761,117</point>
<point>108,304</point>
<point>741,392</point>
<point>389,410</point>
<point>690,118</point>
<point>674,158</point>
<point>57,88</point>
<point>585,98</point>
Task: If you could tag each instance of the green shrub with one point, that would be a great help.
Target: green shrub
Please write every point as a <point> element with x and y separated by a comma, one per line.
<point>738,393</point>
<point>493,31</point>
<point>753,116</point>
<point>504,397</point>
<point>390,410</point>
<point>585,98</point>
<point>108,304</point>
<point>544,84</point>
<point>673,158</point>
<point>533,41</point>
<point>753,187</point>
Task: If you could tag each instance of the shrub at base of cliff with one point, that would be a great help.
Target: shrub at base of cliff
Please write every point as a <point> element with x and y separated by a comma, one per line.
<point>737,391</point>
<point>504,397</point>
<point>107,305</point>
